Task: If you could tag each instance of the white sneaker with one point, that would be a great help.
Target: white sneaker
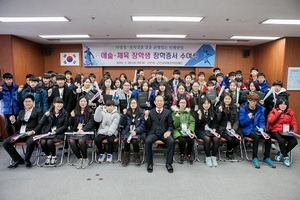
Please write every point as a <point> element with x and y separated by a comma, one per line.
<point>214,161</point>
<point>273,146</point>
<point>85,163</point>
<point>109,158</point>
<point>47,162</point>
<point>79,163</point>
<point>53,161</point>
<point>208,162</point>
<point>101,157</point>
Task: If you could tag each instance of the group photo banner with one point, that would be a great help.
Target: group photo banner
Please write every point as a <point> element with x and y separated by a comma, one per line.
<point>175,55</point>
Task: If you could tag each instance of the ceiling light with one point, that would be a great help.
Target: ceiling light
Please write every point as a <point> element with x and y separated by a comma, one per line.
<point>63,36</point>
<point>166,19</point>
<point>33,19</point>
<point>159,36</point>
<point>253,38</point>
<point>282,21</point>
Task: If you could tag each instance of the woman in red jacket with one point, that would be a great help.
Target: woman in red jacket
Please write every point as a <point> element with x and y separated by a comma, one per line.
<point>281,120</point>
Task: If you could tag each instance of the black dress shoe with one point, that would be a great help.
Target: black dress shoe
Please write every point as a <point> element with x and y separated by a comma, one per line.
<point>16,164</point>
<point>169,168</point>
<point>28,164</point>
<point>150,168</point>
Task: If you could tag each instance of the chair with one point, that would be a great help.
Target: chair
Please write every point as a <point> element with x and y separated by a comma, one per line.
<point>57,145</point>
<point>117,142</point>
<point>3,132</point>
<point>90,146</point>
<point>222,141</point>
<point>196,144</point>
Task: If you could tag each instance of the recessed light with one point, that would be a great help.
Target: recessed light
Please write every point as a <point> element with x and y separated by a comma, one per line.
<point>253,38</point>
<point>166,19</point>
<point>159,36</point>
<point>33,19</point>
<point>63,36</point>
<point>282,21</point>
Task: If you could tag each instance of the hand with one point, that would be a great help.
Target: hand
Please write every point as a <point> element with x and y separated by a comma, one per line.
<point>80,131</point>
<point>72,113</point>
<point>250,115</point>
<point>221,108</point>
<point>232,130</point>
<point>47,113</point>
<point>124,111</point>
<point>49,92</point>
<point>191,95</point>
<point>167,134</point>
<point>29,133</point>
<point>53,133</point>
<point>147,113</point>
<point>133,133</point>
<point>177,114</point>
<point>1,88</point>
<point>21,87</point>
<point>12,118</point>
<point>262,102</point>
<point>109,133</point>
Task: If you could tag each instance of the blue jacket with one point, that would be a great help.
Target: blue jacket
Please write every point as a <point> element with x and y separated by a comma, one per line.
<point>9,100</point>
<point>264,86</point>
<point>247,125</point>
<point>40,97</point>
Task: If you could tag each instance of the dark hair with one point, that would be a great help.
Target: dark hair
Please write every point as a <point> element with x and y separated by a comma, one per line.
<point>77,78</point>
<point>219,74</point>
<point>232,106</point>
<point>254,68</point>
<point>60,77</point>
<point>8,75</point>
<point>92,75</point>
<point>86,78</point>
<point>139,70</point>
<point>77,109</point>
<point>180,100</point>
<point>261,74</point>
<point>57,100</point>
<point>238,72</point>
<point>114,83</point>
<point>123,74</point>
<point>210,83</point>
<point>256,85</point>
<point>201,73</point>
<point>280,101</point>
<point>103,88</point>
<point>176,71</point>
<point>231,74</point>
<point>29,75</point>
<point>210,110</point>
<point>140,77</point>
<point>137,110</point>
<point>216,68</point>
<point>143,84</point>
<point>188,75</point>
<point>28,96</point>
<point>192,73</point>
<point>68,72</point>
<point>212,78</point>
<point>110,102</point>
<point>167,91</point>
<point>277,82</point>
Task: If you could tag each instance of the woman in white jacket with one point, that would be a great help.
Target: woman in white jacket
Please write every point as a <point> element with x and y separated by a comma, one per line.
<point>109,118</point>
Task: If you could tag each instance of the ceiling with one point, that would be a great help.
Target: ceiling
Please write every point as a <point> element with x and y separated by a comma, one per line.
<point>109,20</point>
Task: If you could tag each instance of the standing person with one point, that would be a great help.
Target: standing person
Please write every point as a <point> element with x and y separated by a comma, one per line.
<point>251,117</point>
<point>184,128</point>
<point>55,121</point>
<point>11,107</point>
<point>164,91</point>
<point>159,124</point>
<point>109,119</point>
<point>28,122</point>
<point>64,92</point>
<point>46,82</point>
<point>206,118</point>
<point>174,82</point>
<point>188,82</point>
<point>181,92</point>
<point>158,78</point>
<point>151,93</point>
<point>81,120</point>
<point>282,119</point>
<point>228,120</point>
<point>40,95</point>
<point>134,129</point>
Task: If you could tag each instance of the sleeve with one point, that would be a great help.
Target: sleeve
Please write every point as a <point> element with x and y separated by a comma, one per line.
<point>64,126</point>
<point>45,101</point>
<point>170,122</point>
<point>244,118</point>
<point>98,114</point>
<point>191,123</point>
<point>90,125</point>
<point>115,124</point>
<point>176,120</point>
<point>38,128</point>
<point>140,129</point>
<point>273,116</point>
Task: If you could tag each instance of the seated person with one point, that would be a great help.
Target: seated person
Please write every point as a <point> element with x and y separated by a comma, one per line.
<point>251,117</point>
<point>81,120</point>
<point>184,128</point>
<point>55,121</point>
<point>282,117</point>
<point>159,126</point>
<point>133,132</point>
<point>28,124</point>
<point>109,119</point>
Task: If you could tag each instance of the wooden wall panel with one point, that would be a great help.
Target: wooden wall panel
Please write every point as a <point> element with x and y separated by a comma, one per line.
<point>27,58</point>
<point>6,59</point>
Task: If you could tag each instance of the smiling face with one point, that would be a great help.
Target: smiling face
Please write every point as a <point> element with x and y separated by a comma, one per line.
<point>159,102</point>
<point>83,103</point>
<point>227,100</point>
<point>206,105</point>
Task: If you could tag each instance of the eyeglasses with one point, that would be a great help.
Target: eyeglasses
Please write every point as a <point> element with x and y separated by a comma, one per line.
<point>28,101</point>
<point>127,85</point>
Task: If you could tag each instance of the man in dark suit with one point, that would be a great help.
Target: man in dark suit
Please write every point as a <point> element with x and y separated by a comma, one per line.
<point>159,125</point>
<point>64,92</point>
<point>28,125</point>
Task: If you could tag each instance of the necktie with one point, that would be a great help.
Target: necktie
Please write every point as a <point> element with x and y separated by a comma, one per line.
<point>158,111</point>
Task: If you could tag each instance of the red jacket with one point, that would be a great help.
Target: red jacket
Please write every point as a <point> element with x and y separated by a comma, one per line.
<point>276,120</point>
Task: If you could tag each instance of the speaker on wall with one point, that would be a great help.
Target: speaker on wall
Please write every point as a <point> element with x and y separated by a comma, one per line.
<point>246,52</point>
<point>47,50</point>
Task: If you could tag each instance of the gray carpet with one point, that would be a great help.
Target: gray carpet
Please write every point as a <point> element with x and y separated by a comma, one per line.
<point>112,181</point>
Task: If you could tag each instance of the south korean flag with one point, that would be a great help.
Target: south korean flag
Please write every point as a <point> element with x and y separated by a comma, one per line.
<point>69,59</point>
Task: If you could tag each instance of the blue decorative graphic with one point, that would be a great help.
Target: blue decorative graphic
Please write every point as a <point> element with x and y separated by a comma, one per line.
<point>206,57</point>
